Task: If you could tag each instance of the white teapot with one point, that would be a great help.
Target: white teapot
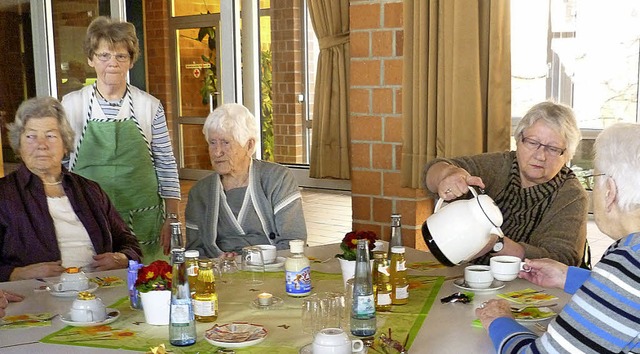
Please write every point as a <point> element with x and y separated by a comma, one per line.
<point>458,230</point>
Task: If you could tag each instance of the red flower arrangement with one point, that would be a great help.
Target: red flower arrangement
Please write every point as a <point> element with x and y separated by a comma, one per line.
<point>350,243</point>
<point>155,276</point>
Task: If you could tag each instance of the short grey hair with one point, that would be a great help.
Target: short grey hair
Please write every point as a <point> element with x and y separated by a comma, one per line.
<point>617,154</point>
<point>234,119</point>
<point>558,117</point>
<point>113,32</point>
<point>36,108</point>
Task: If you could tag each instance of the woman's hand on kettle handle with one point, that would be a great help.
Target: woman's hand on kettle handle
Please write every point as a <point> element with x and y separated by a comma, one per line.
<point>454,181</point>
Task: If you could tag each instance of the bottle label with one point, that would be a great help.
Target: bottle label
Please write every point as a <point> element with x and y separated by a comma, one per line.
<point>204,308</point>
<point>192,270</point>
<point>402,292</point>
<point>384,299</point>
<point>298,282</point>
<point>179,313</point>
<point>401,265</point>
<point>365,306</point>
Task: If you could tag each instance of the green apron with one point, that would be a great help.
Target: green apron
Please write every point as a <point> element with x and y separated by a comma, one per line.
<point>115,153</point>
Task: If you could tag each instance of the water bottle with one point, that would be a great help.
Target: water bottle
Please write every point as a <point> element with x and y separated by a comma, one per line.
<point>363,307</point>
<point>396,233</point>
<point>182,322</point>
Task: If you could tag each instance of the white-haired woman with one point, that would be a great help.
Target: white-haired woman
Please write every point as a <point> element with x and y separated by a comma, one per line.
<point>543,203</point>
<point>246,201</point>
<point>603,315</point>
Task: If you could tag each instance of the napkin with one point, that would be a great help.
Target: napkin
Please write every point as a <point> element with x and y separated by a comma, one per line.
<point>26,320</point>
<point>108,282</point>
<point>528,296</point>
<point>427,265</point>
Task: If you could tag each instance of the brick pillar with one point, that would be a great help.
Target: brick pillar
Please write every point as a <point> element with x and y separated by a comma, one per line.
<point>288,81</point>
<point>376,123</point>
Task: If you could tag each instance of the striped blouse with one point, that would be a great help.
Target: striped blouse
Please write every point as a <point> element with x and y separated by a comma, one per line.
<point>603,315</point>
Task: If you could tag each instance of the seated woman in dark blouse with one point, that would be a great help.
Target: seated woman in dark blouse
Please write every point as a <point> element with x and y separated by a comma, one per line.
<point>51,219</point>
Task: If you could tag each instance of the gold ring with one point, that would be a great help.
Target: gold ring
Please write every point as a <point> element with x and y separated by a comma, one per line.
<point>447,191</point>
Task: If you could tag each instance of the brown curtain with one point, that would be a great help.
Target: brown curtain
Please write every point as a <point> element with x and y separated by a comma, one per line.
<point>456,81</point>
<point>330,126</point>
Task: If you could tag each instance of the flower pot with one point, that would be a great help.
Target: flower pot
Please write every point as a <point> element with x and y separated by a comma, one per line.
<point>155,305</point>
<point>349,269</point>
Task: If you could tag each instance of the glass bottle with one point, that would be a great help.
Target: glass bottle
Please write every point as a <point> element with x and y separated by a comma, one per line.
<point>205,299</point>
<point>396,233</point>
<point>176,235</point>
<point>381,283</point>
<point>363,308</point>
<point>191,262</point>
<point>297,270</point>
<point>399,282</point>
<point>182,324</point>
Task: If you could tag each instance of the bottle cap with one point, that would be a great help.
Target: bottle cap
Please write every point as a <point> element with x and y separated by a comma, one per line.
<point>192,254</point>
<point>379,254</point>
<point>296,246</point>
<point>205,263</point>
<point>397,249</point>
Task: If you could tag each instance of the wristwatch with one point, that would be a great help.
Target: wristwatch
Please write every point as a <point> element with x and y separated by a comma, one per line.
<point>173,216</point>
<point>499,245</point>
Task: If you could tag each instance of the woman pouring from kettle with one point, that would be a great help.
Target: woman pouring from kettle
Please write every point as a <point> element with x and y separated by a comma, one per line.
<point>544,206</point>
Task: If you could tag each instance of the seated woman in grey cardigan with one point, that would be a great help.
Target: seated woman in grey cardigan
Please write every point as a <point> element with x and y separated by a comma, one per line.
<point>543,203</point>
<point>245,201</point>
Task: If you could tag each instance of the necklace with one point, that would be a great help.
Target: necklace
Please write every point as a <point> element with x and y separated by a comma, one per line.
<point>52,183</point>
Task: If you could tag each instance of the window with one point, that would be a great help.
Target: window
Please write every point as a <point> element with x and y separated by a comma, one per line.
<point>581,53</point>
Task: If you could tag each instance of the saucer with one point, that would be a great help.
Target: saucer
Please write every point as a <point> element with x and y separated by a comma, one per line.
<point>275,302</point>
<point>307,349</point>
<point>276,265</point>
<point>534,314</point>
<point>497,284</point>
<point>235,335</point>
<point>112,315</point>
<point>72,293</point>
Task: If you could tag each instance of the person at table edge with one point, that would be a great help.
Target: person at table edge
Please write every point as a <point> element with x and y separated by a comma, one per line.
<point>245,201</point>
<point>51,218</point>
<point>603,315</point>
<point>543,203</point>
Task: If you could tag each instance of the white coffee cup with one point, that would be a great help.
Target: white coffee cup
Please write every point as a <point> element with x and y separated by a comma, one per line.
<point>478,276</point>
<point>268,253</point>
<point>336,341</point>
<point>87,308</point>
<point>72,280</point>
<point>506,268</point>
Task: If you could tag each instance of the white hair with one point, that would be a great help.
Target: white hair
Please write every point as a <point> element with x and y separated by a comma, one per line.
<point>234,119</point>
<point>618,156</point>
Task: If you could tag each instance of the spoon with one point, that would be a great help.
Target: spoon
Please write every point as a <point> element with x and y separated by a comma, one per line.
<point>520,309</point>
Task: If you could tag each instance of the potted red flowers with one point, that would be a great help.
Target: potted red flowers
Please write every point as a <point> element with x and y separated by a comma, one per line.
<point>348,256</point>
<point>154,285</point>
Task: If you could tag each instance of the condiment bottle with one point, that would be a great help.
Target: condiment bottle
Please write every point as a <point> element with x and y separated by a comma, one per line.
<point>191,262</point>
<point>297,270</point>
<point>205,298</point>
<point>363,308</point>
<point>396,233</point>
<point>182,323</point>
<point>399,282</point>
<point>381,283</point>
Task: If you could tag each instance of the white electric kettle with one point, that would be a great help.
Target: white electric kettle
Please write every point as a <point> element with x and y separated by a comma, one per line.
<point>458,230</point>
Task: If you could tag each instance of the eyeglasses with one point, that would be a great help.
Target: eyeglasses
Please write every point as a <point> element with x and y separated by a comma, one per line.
<point>107,56</point>
<point>549,149</point>
<point>589,180</point>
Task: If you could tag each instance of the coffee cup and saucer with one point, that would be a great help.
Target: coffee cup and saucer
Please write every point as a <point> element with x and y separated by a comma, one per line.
<point>478,278</point>
<point>87,310</point>
<point>72,281</point>
<point>334,341</point>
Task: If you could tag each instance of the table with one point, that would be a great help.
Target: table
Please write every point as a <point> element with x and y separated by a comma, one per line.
<point>447,328</point>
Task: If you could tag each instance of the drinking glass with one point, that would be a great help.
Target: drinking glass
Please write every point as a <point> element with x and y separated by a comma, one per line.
<point>253,263</point>
<point>227,267</point>
<point>323,310</point>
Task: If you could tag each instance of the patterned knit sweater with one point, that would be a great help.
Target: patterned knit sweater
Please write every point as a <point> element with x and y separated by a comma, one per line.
<point>548,220</point>
<point>603,315</point>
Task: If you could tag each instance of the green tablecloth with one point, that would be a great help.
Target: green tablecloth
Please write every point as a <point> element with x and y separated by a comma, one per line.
<point>283,323</point>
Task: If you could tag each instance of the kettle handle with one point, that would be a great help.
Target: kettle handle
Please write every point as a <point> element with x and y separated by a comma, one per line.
<point>440,200</point>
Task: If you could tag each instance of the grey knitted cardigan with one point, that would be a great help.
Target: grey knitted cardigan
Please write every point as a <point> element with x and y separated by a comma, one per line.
<point>548,220</point>
<point>274,195</point>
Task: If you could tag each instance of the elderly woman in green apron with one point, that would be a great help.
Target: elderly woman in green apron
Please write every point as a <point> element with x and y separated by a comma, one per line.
<point>245,201</point>
<point>122,139</point>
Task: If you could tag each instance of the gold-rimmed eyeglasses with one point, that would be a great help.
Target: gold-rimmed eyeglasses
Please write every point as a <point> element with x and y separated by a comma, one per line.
<point>107,56</point>
<point>590,180</point>
<point>535,145</point>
